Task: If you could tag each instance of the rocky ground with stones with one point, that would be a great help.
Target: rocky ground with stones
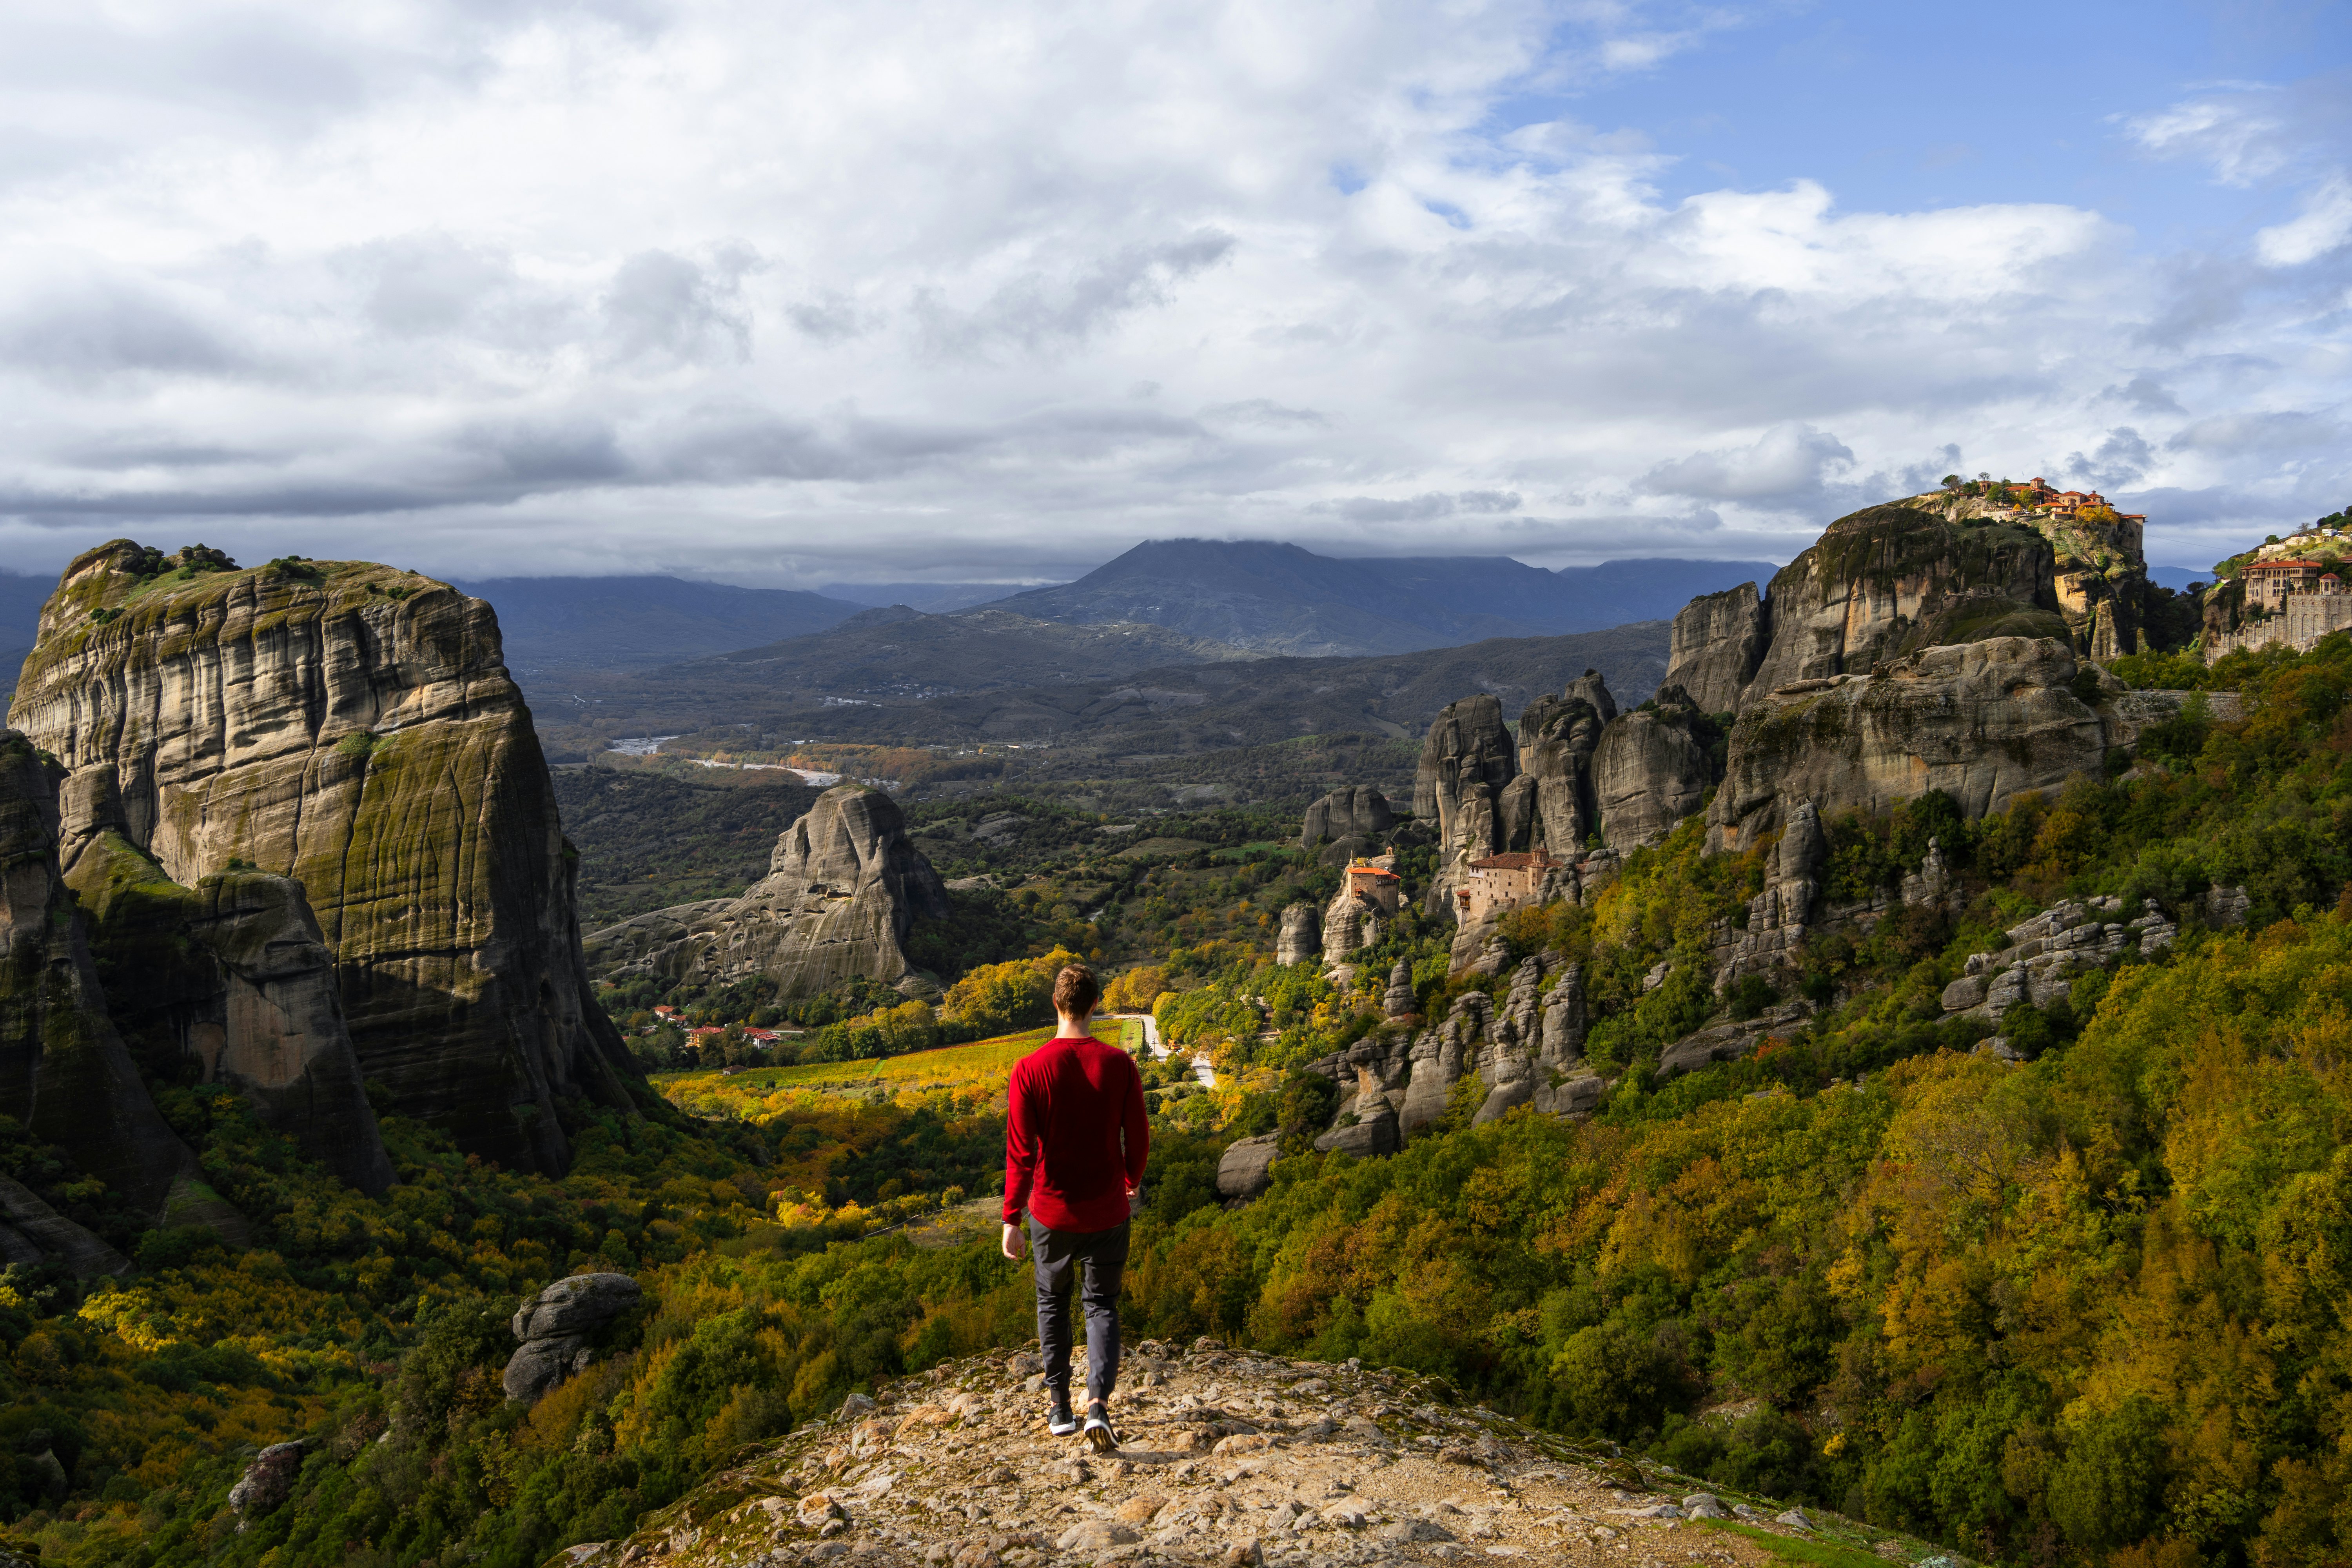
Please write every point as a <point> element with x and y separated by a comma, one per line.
<point>1227,1458</point>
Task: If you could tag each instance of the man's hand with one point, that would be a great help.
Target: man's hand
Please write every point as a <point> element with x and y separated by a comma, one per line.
<point>1012,1242</point>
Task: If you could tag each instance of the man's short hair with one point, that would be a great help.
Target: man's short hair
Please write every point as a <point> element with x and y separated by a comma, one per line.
<point>1076,991</point>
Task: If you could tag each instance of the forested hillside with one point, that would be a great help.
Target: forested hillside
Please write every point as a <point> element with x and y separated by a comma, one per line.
<point>2089,1306</point>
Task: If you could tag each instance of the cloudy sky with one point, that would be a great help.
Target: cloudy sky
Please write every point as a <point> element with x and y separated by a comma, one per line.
<point>792,294</point>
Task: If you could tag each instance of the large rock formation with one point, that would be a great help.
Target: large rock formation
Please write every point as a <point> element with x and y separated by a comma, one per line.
<point>64,1072</point>
<point>1557,736</point>
<point>1529,1052</point>
<point>842,890</point>
<point>1718,641</point>
<point>1984,721</point>
<point>1652,769</point>
<point>1466,762</point>
<point>352,727</point>
<point>230,982</point>
<point>1927,570</point>
<point>1355,812</point>
<point>554,1329</point>
<point>1301,937</point>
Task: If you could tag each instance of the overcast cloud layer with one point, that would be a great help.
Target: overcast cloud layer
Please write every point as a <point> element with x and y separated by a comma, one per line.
<point>789,295</point>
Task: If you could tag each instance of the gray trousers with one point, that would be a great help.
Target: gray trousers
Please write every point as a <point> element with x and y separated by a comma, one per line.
<point>1097,1259</point>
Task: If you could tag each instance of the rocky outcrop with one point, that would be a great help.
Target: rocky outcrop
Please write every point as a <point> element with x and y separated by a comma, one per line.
<point>1778,916</point>
<point>1228,1457</point>
<point>842,892</point>
<point>1982,721</point>
<point>1652,769</point>
<point>1530,1051</point>
<point>33,1232</point>
<point>1398,1001</point>
<point>1466,762</point>
<point>64,1072</point>
<point>555,1330</point>
<point>267,1482</point>
<point>353,728</point>
<point>233,979</point>
<point>1718,641</point>
<point>1729,1041</point>
<point>1301,937</point>
<point>1246,1167</point>
<point>2041,955</point>
<point>1355,812</point>
<point>1557,736</point>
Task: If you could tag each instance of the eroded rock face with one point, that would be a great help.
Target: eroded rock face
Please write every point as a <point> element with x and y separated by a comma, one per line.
<point>1530,1051</point>
<point>842,890</point>
<point>1718,641</point>
<point>1466,762</point>
<point>1864,589</point>
<point>64,1072</point>
<point>1650,770</point>
<point>2043,954</point>
<point>1557,736</point>
<point>1983,722</point>
<point>353,728</point>
<point>235,975</point>
<point>267,1482</point>
<point>1301,937</point>
<point>554,1329</point>
<point>1359,811</point>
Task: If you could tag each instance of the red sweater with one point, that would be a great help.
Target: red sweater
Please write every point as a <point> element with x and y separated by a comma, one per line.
<point>1068,1104</point>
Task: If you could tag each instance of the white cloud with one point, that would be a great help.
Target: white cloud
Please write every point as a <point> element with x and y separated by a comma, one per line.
<point>996,290</point>
<point>2324,223</point>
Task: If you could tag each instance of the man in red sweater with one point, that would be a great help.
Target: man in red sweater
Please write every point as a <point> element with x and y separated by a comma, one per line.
<point>1074,1142</point>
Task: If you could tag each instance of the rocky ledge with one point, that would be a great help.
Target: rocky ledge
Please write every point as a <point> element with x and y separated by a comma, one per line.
<point>1230,1457</point>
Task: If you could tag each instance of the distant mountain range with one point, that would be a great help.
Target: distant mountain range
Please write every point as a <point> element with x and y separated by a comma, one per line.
<point>632,623</point>
<point>1279,599</point>
<point>1213,600</point>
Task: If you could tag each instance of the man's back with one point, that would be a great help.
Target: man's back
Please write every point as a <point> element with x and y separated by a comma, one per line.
<point>1075,1135</point>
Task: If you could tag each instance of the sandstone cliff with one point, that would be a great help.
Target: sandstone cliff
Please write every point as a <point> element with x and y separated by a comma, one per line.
<point>1718,641</point>
<point>352,727</point>
<point>1983,722</point>
<point>1652,769</point>
<point>842,890</point>
<point>1358,811</point>
<point>1930,570</point>
<point>63,1073</point>
<point>1466,762</point>
<point>230,982</point>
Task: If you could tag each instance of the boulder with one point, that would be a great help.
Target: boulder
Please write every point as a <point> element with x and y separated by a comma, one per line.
<point>353,728</point>
<point>267,1482</point>
<point>1246,1167</point>
<point>1718,641</point>
<point>1650,771</point>
<point>1365,1138</point>
<point>1983,722</point>
<point>556,1326</point>
<point>1301,937</point>
<point>844,888</point>
<point>1359,811</point>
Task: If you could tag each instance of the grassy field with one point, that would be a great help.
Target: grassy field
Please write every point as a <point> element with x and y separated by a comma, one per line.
<point>707,1092</point>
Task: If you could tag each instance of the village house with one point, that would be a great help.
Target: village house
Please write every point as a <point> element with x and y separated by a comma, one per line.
<point>1501,882</point>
